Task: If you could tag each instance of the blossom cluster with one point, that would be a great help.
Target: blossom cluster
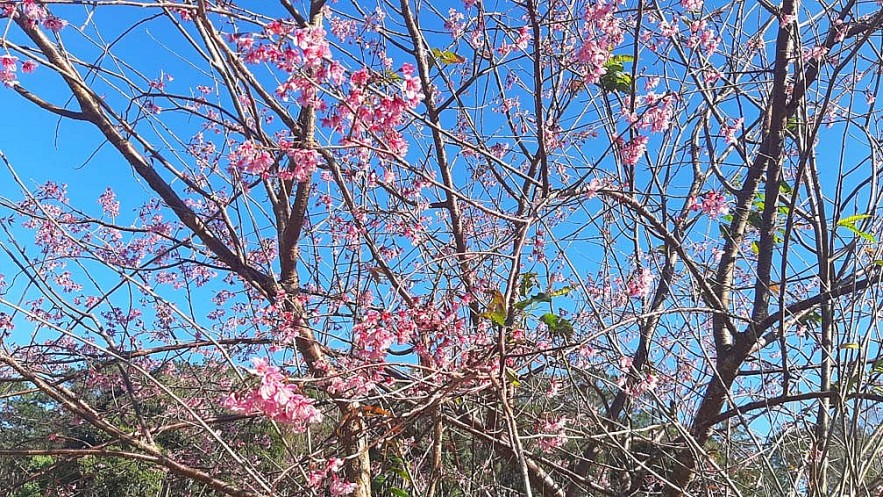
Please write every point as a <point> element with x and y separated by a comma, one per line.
<point>338,486</point>
<point>642,384</point>
<point>376,117</point>
<point>275,399</point>
<point>647,383</point>
<point>251,157</point>
<point>441,333</point>
<point>6,324</point>
<point>602,32</point>
<point>9,69</point>
<point>377,331</point>
<point>305,55</point>
<point>554,435</point>
<point>703,38</point>
<point>632,151</point>
<point>521,42</point>
<point>35,13</point>
<point>659,113</point>
<point>730,131</point>
<point>640,283</point>
<point>712,203</point>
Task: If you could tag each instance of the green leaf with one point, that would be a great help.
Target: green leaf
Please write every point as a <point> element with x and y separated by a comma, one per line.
<point>389,77</point>
<point>616,80</point>
<point>496,311</point>
<point>447,56</point>
<point>497,317</point>
<point>849,346</point>
<point>620,59</point>
<point>785,188</point>
<point>528,282</point>
<point>754,218</point>
<point>557,325</point>
<point>512,377</point>
<point>849,223</point>
<point>398,492</point>
<point>814,318</point>
<point>542,297</point>
<point>398,468</point>
<point>852,219</point>
<point>867,236</point>
<point>561,291</point>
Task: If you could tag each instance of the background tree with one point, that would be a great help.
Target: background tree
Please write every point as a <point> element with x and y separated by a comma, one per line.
<point>519,248</point>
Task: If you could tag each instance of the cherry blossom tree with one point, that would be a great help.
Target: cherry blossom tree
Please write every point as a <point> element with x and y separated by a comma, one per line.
<point>465,248</point>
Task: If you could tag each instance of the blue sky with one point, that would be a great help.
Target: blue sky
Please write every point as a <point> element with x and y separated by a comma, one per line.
<point>65,154</point>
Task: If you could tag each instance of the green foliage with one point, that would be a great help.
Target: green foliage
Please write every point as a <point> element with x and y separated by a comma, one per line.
<point>107,476</point>
<point>616,78</point>
<point>850,224</point>
<point>557,325</point>
<point>35,421</point>
<point>496,310</point>
<point>447,56</point>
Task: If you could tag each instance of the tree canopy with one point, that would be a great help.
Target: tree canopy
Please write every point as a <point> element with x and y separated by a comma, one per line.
<point>603,248</point>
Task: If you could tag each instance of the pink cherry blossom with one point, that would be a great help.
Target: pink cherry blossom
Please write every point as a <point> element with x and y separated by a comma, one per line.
<point>275,399</point>
<point>651,83</point>
<point>817,53</point>
<point>340,486</point>
<point>455,24</point>
<point>411,86</point>
<point>34,11</point>
<point>521,42</point>
<point>692,5</point>
<point>302,165</point>
<point>553,433</point>
<point>592,188</point>
<point>250,157</point>
<point>640,283</point>
<point>661,109</point>
<point>8,62</point>
<point>730,131</point>
<point>6,324</point>
<point>712,203</point>
<point>668,30</point>
<point>646,384</point>
<point>8,68</point>
<point>54,24</point>
<point>109,203</point>
<point>633,150</point>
